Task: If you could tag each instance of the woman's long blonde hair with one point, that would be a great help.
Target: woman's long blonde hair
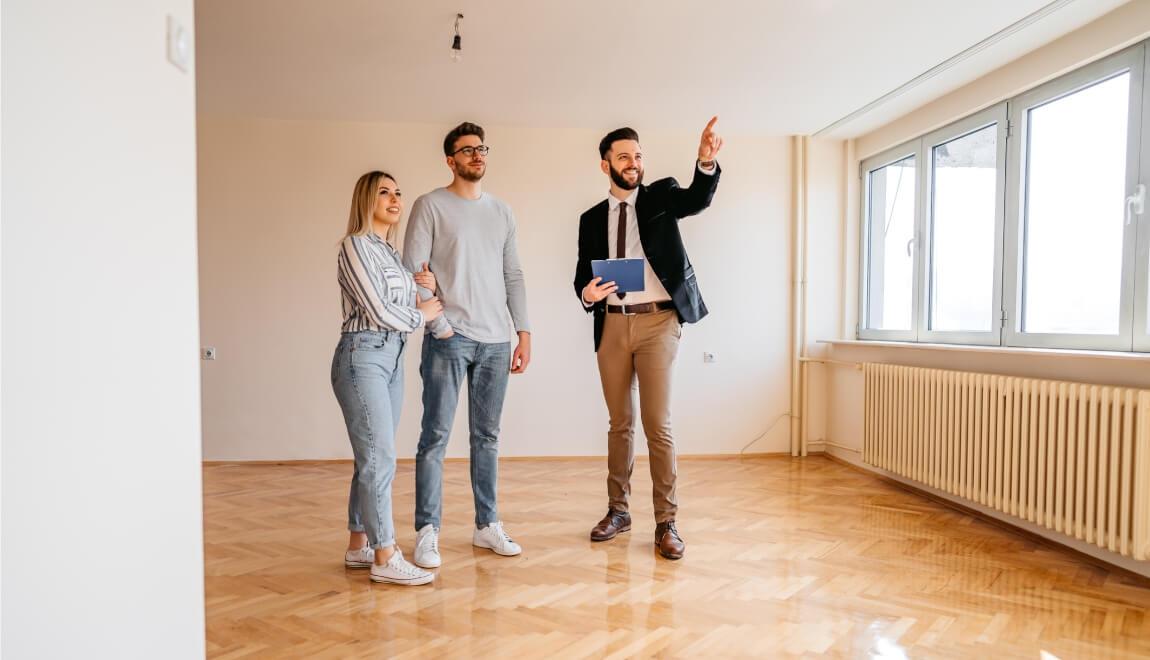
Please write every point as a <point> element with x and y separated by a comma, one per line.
<point>363,201</point>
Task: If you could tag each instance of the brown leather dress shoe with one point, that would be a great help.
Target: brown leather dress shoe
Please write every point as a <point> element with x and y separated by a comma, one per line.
<point>611,524</point>
<point>668,541</point>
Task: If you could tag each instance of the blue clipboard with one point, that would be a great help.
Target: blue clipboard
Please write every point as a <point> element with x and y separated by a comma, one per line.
<point>627,274</point>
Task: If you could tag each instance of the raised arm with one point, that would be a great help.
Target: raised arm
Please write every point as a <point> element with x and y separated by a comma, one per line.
<point>693,199</point>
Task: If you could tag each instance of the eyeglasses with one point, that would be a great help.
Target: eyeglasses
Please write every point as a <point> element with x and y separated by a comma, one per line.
<point>471,151</point>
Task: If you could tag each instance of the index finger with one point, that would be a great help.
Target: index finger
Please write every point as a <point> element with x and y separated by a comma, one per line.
<point>711,124</point>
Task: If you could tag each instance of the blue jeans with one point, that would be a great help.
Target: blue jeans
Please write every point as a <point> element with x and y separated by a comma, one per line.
<point>367,376</point>
<point>445,363</point>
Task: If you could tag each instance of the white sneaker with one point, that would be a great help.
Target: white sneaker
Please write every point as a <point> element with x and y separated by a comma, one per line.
<point>397,570</point>
<point>427,547</point>
<point>362,558</point>
<point>495,539</point>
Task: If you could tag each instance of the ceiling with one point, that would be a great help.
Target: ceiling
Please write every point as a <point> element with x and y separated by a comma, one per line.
<point>769,67</point>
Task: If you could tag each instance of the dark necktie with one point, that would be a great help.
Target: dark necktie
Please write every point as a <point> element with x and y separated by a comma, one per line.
<point>621,237</point>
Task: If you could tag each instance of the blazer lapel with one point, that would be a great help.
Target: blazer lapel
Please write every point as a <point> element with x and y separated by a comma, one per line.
<point>642,219</point>
<point>601,249</point>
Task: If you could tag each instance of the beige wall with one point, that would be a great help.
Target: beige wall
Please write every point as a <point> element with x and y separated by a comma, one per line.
<point>824,270</point>
<point>273,203</point>
<point>102,524</point>
<point>842,392</point>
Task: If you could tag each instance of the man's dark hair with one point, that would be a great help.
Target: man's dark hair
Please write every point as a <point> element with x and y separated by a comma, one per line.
<point>625,133</point>
<point>464,129</point>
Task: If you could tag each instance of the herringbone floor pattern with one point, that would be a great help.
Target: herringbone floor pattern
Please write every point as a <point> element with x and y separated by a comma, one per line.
<point>784,558</point>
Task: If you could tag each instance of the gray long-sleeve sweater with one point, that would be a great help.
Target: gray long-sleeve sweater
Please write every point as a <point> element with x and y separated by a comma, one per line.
<point>470,246</point>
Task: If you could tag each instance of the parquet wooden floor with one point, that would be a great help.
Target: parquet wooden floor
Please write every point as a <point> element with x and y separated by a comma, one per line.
<point>784,558</point>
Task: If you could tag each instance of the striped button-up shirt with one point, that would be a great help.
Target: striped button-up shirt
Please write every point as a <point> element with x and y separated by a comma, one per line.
<point>378,293</point>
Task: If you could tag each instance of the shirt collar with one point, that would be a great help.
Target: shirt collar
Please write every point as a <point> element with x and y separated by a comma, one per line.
<point>613,201</point>
<point>379,240</point>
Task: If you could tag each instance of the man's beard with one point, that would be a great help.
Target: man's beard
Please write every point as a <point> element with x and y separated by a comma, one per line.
<point>468,174</point>
<point>618,179</point>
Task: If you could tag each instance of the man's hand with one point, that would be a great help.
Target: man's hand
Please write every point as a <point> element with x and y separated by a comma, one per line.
<point>425,278</point>
<point>594,291</point>
<point>710,143</point>
<point>522,356</point>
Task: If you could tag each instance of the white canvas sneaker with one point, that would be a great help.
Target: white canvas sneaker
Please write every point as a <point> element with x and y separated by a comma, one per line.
<point>361,558</point>
<point>495,539</point>
<point>427,547</point>
<point>398,570</point>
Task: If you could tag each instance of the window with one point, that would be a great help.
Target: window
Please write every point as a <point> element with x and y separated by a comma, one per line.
<point>890,259</point>
<point>1023,227</point>
<point>964,225</point>
<point>1072,259</point>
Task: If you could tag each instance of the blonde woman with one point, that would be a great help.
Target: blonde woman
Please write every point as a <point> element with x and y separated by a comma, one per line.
<point>380,308</point>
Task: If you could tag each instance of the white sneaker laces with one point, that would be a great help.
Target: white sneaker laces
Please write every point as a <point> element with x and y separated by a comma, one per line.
<point>500,531</point>
<point>401,565</point>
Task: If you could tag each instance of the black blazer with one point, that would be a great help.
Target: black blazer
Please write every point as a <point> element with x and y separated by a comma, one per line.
<point>658,209</point>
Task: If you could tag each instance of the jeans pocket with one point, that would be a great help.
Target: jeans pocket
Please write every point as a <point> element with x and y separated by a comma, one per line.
<point>370,341</point>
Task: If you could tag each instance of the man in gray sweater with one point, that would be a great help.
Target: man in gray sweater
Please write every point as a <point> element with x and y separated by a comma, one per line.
<point>467,238</point>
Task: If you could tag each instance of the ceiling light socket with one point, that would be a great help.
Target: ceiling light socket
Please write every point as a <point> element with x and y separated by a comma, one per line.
<point>457,41</point>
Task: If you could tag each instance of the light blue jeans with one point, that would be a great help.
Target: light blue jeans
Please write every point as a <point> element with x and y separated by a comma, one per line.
<point>444,365</point>
<point>367,376</point>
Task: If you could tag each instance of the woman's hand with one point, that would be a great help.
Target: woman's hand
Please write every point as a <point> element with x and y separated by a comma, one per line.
<point>425,278</point>
<point>431,308</point>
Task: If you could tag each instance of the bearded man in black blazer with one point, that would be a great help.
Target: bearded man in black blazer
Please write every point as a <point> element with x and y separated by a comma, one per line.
<point>637,333</point>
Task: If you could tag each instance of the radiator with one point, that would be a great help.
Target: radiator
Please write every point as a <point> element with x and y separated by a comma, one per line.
<point>1070,457</point>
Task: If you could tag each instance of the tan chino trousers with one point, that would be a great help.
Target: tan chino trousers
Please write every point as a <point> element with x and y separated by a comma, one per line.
<point>640,348</point>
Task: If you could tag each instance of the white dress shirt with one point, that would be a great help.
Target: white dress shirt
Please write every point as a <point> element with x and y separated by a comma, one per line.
<point>653,290</point>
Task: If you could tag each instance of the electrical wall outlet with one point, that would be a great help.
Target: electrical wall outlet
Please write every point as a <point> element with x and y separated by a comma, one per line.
<point>208,353</point>
<point>708,358</point>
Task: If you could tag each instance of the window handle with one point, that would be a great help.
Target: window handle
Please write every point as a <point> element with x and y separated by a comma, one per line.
<point>908,247</point>
<point>1136,203</point>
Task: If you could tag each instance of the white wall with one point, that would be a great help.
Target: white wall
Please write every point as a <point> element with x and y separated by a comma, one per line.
<point>1122,27</point>
<point>101,453</point>
<point>102,539</point>
<point>273,205</point>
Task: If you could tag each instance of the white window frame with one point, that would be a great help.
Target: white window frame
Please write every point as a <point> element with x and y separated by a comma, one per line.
<point>877,162</point>
<point>995,115</point>
<point>1131,60</point>
<point>1141,331</point>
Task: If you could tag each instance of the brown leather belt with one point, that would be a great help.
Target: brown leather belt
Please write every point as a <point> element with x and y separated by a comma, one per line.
<point>641,308</point>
